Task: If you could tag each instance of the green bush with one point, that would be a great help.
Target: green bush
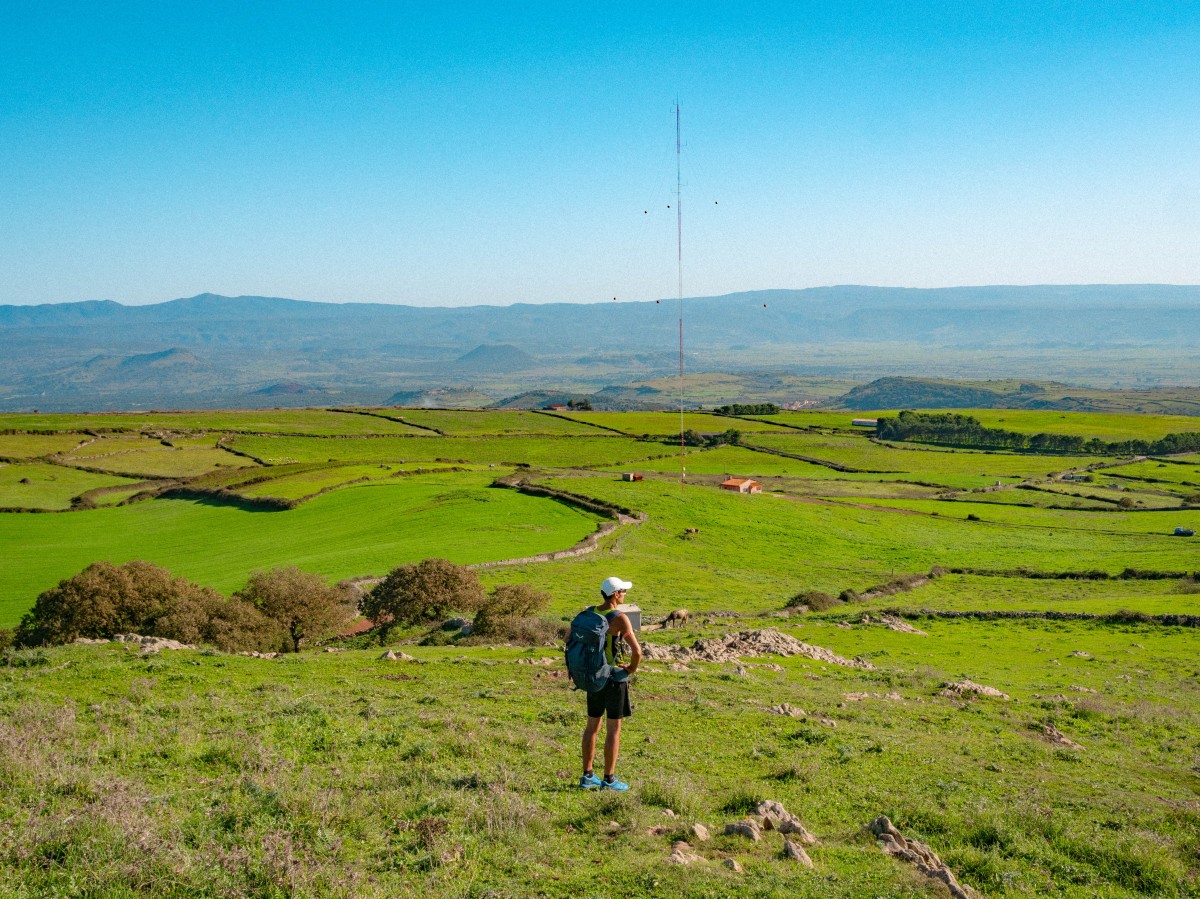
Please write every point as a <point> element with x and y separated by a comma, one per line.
<point>509,614</point>
<point>508,601</point>
<point>815,600</point>
<point>426,591</point>
<point>106,599</point>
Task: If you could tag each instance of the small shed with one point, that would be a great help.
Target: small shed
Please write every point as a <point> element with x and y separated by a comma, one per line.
<point>630,476</point>
<point>741,485</point>
<point>864,422</point>
<point>633,612</point>
<point>555,407</point>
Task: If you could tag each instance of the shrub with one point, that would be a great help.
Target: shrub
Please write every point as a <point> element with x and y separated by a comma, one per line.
<point>302,604</point>
<point>138,597</point>
<point>508,601</point>
<point>231,625</point>
<point>425,591</point>
<point>522,632</point>
<point>509,614</point>
<point>106,599</point>
<point>814,599</point>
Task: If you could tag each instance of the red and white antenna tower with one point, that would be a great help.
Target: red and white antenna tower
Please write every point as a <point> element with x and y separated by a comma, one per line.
<point>679,267</point>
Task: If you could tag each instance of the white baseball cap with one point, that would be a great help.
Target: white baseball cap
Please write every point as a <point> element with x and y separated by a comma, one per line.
<point>612,584</point>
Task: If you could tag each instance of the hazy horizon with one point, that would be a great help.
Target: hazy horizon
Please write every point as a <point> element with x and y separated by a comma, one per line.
<point>549,302</point>
<point>481,155</point>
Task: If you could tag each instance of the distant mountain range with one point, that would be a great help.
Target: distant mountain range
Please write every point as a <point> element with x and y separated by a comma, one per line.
<point>209,350</point>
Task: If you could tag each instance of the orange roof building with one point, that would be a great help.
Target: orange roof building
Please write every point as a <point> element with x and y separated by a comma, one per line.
<point>741,485</point>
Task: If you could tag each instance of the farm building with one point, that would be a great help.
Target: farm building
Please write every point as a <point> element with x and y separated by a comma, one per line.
<point>555,407</point>
<point>741,485</point>
<point>864,422</point>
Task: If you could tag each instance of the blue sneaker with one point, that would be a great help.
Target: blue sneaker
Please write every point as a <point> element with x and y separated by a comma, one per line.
<point>589,782</point>
<point>614,784</point>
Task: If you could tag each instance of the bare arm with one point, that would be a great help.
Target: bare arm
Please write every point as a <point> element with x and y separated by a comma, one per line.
<point>623,629</point>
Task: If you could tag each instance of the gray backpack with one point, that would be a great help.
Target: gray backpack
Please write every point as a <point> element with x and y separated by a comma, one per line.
<point>586,662</point>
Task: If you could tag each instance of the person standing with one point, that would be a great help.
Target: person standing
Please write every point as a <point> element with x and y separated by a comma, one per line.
<point>612,700</point>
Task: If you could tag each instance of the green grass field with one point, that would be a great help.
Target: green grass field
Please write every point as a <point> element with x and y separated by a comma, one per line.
<point>198,774</point>
<point>1104,425</point>
<point>30,446</point>
<point>163,462</point>
<point>546,451</point>
<point>361,530</point>
<point>274,421</point>
<point>962,592</point>
<point>954,469</point>
<point>48,487</point>
<point>658,424</point>
<point>494,422</point>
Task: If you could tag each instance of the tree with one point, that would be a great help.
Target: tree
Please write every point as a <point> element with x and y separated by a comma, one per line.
<point>425,591</point>
<point>301,603</point>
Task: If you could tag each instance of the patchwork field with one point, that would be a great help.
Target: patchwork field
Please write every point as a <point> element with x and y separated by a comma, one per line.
<point>548,451</point>
<point>30,446</point>
<point>657,424</point>
<point>197,773</point>
<point>495,422</point>
<point>38,485</point>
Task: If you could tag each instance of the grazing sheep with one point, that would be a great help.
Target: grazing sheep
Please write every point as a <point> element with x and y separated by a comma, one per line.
<point>679,617</point>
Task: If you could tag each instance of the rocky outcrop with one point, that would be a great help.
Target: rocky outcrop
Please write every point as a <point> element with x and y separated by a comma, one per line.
<point>892,623</point>
<point>796,853</point>
<point>748,829</point>
<point>776,817</point>
<point>861,697</point>
<point>924,859</point>
<point>681,854</point>
<point>392,656</point>
<point>965,689</point>
<point>733,647</point>
<point>1058,738</point>
<point>147,644</point>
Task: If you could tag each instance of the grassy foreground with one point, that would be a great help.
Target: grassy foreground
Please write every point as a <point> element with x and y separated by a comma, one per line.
<point>195,774</point>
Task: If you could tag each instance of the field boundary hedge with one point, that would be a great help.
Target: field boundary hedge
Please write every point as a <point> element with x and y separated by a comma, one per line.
<point>395,418</point>
<point>1124,616</point>
<point>836,466</point>
<point>591,504</point>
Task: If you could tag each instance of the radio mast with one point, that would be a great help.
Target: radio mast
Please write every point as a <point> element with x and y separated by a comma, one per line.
<point>679,269</point>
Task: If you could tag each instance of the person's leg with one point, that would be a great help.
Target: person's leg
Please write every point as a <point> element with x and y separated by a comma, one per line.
<point>589,743</point>
<point>612,745</point>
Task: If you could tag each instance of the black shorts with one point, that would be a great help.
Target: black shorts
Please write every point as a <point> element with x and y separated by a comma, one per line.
<point>613,700</point>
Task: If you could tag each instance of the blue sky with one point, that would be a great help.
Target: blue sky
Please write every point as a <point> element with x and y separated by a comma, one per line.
<point>452,154</point>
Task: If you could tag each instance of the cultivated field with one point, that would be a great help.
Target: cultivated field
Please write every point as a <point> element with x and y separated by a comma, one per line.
<point>197,773</point>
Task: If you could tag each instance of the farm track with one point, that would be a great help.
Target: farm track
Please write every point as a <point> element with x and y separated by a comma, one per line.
<point>589,544</point>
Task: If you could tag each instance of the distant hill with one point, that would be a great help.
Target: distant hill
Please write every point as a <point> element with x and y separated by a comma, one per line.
<point>164,359</point>
<point>498,358</point>
<point>289,388</point>
<point>931,393</point>
<point>440,398</point>
<point>101,354</point>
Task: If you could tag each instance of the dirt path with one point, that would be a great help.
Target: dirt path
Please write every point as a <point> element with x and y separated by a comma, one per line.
<point>588,544</point>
